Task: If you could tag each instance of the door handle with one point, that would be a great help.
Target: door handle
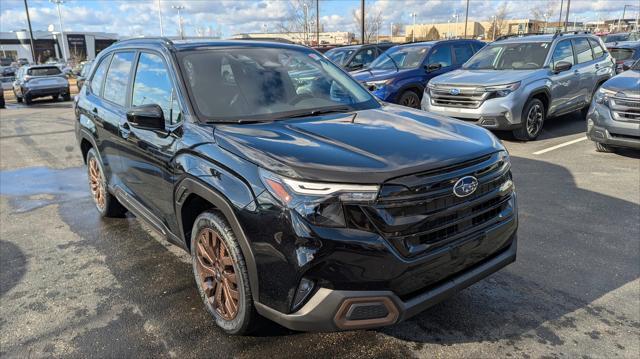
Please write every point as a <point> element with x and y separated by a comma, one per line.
<point>576,72</point>
<point>95,110</point>
<point>597,66</point>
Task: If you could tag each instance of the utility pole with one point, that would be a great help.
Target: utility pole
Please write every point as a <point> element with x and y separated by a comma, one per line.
<point>494,28</point>
<point>362,22</point>
<point>624,11</point>
<point>317,22</point>
<point>391,33</point>
<point>566,16</point>
<point>179,8</point>
<point>64,47</point>
<point>466,17</point>
<point>160,17</point>
<point>413,30</point>
<point>560,16</point>
<point>33,48</point>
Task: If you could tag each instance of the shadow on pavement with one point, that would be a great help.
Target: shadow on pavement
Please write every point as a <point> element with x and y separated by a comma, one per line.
<point>13,266</point>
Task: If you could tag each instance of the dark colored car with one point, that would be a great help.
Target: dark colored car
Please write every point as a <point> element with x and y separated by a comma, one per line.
<point>401,73</point>
<point>2,104</point>
<point>311,204</point>
<point>356,57</point>
<point>610,39</point>
<point>323,48</point>
<point>613,119</point>
<point>625,54</point>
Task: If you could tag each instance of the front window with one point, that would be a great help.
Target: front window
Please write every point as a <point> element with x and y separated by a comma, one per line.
<point>44,71</point>
<point>339,56</point>
<point>400,58</point>
<point>523,56</point>
<point>234,84</point>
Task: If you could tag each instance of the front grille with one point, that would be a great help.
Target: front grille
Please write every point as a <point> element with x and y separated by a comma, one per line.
<point>466,98</point>
<point>625,109</point>
<point>420,213</point>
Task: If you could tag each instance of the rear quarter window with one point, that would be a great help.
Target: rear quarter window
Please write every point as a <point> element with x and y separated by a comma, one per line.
<point>621,54</point>
<point>598,51</point>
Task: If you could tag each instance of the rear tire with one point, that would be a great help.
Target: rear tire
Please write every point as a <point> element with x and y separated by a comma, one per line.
<point>106,203</point>
<point>533,117</point>
<point>410,99</point>
<point>601,147</point>
<point>27,99</point>
<point>66,97</point>
<point>18,98</point>
<point>221,274</point>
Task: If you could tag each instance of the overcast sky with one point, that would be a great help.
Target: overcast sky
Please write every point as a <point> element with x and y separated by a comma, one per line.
<point>140,17</point>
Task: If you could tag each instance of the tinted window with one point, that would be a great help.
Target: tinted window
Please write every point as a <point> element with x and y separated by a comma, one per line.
<point>441,55</point>
<point>115,87</point>
<point>364,57</point>
<point>597,49</point>
<point>98,76</point>
<point>582,50</point>
<point>44,71</point>
<point>152,85</point>
<point>339,56</point>
<point>563,52</point>
<point>463,52</point>
<point>268,83</point>
<point>621,54</point>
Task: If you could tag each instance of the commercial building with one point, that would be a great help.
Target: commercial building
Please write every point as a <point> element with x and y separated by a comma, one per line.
<point>475,29</point>
<point>309,38</point>
<point>75,46</point>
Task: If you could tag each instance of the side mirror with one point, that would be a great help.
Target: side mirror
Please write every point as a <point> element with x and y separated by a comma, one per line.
<point>354,66</point>
<point>146,117</point>
<point>433,67</point>
<point>562,66</point>
<point>626,66</point>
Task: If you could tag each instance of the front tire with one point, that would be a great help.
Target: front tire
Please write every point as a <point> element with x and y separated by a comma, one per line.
<point>18,98</point>
<point>533,119</point>
<point>221,274</point>
<point>106,203</point>
<point>601,147</point>
<point>27,99</point>
<point>410,99</point>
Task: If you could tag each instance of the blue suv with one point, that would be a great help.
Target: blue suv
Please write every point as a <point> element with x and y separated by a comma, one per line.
<point>401,73</point>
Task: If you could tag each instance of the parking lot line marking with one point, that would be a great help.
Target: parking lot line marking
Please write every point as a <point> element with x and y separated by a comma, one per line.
<point>560,145</point>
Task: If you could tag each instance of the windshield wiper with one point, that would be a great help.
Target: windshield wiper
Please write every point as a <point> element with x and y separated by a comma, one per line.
<point>337,109</point>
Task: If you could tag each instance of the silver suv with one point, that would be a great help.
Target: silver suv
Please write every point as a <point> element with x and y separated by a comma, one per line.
<point>518,82</point>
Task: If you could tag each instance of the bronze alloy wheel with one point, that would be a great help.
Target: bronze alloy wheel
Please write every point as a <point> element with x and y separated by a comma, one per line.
<point>96,183</point>
<point>217,274</point>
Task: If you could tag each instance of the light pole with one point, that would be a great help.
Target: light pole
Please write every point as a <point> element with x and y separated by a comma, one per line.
<point>306,36</point>
<point>391,33</point>
<point>494,28</point>
<point>413,30</point>
<point>64,47</point>
<point>466,18</point>
<point>546,19</point>
<point>624,11</point>
<point>457,17</point>
<point>179,8</point>
<point>317,22</point>
<point>160,17</point>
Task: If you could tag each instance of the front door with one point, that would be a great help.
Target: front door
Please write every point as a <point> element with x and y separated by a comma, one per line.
<point>440,54</point>
<point>564,85</point>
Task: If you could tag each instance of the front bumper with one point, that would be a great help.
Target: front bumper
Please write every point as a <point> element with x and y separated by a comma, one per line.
<point>330,310</point>
<point>503,113</point>
<point>601,127</point>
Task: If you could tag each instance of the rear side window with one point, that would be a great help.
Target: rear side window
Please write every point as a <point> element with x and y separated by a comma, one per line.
<point>44,71</point>
<point>597,49</point>
<point>463,52</point>
<point>98,76</point>
<point>115,87</point>
<point>364,57</point>
<point>562,52</point>
<point>441,55</point>
<point>583,50</point>
<point>152,85</point>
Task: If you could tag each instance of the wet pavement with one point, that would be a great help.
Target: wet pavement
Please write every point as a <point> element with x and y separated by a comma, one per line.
<point>72,284</point>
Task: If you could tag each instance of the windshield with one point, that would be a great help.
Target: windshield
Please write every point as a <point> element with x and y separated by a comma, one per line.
<point>44,71</point>
<point>339,56</point>
<point>400,57</point>
<point>260,82</point>
<point>616,37</point>
<point>524,56</point>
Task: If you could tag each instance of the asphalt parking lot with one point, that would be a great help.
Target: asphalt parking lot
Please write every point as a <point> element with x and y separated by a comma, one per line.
<point>72,284</point>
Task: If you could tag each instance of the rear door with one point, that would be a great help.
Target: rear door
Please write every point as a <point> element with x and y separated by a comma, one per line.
<point>147,154</point>
<point>585,70</point>
<point>602,63</point>
<point>564,85</point>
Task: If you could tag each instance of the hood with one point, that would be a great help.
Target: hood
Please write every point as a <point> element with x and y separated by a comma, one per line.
<point>374,74</point>
<point>368,146</point>
<point>482,77</point>
<point>627,82</point>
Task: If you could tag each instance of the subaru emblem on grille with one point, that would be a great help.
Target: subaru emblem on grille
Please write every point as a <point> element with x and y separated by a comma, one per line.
<point>454,92</point>
<point>465,186</point>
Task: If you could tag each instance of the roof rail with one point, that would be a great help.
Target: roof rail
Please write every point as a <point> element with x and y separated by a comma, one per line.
<point>147,38</point>
<point>575,32</point>
<point>503,37</point>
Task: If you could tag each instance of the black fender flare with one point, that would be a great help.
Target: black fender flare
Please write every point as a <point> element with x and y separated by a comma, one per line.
<point>84,134</point>
<point>410,86</point>
<point>546,92</point>
<point>191,185</point>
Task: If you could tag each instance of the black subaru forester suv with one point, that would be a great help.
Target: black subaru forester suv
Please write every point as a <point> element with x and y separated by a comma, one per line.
<point>300,197</point>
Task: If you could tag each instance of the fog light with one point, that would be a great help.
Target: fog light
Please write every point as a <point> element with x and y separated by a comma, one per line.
<point>304,289</point>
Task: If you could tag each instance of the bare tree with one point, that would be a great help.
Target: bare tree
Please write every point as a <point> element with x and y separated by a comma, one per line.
<point>300,19</point>
<point>372,23</point>
<point>433,34</point>
<point>545,11</point>
<point>498,21</point>
<point>396,29</point>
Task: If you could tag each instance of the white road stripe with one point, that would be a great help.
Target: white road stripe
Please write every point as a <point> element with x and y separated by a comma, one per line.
<point>560,145</point>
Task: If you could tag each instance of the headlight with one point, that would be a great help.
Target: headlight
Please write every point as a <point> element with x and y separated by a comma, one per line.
<point>502,90</point>
<point>376,85</point>
<point>603,95</point>
<point>319,203</point>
